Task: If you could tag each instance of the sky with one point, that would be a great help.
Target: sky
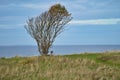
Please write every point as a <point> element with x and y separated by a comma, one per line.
<point>95,22</point>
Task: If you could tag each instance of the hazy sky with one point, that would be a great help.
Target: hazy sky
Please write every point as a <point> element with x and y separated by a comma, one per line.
<point>94,21</point>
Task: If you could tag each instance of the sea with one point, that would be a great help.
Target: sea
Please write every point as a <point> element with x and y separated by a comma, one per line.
<point>11,51</point>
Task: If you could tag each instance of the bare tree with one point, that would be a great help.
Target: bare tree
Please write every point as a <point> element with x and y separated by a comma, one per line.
<point>47,26</point>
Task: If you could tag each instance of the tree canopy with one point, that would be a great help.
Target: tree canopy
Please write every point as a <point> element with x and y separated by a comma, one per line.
<point>47,26</point>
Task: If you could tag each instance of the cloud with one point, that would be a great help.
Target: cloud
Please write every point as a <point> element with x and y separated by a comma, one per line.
<point>96,22</point>
<point>73,22</point>
<point>34,6</point>
<point>10,26</point>
<point>12,18</point>
<point>28,5</point>
<point>44,5</point>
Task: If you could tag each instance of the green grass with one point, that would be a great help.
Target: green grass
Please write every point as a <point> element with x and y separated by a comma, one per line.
<point>109,58</point>
<point>87,66</point>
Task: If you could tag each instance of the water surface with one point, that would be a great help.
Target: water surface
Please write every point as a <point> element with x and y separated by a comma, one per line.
<point>10,51</point>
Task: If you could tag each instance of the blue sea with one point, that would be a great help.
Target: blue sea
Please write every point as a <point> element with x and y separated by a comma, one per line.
<point>11,51</point>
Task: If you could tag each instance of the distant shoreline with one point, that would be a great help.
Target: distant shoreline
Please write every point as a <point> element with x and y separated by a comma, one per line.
<point>105,52</point>
<point>66,45</point>
<point>10,51</point>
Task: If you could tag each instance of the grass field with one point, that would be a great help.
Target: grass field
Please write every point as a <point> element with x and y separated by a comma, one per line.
<point>87,66</point>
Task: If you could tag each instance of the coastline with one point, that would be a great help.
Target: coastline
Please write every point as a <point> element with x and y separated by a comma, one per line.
<point>11,51</point>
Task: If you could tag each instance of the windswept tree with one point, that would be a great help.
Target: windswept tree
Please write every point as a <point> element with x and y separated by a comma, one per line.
<point>47,26</point>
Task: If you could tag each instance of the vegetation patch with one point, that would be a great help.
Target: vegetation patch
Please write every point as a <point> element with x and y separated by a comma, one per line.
<point>68,67</point>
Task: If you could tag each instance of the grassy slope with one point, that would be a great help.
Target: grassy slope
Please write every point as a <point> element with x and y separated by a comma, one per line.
<point>108,58</point>
<point>105,66</point>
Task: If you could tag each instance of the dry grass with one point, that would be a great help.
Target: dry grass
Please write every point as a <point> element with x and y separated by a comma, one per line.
<point>56,68</point>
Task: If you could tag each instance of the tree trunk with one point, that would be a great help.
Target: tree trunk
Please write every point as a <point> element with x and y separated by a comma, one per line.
<point>43,50</point>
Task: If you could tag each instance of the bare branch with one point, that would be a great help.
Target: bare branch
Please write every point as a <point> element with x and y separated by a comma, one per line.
<point>46,27</point>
